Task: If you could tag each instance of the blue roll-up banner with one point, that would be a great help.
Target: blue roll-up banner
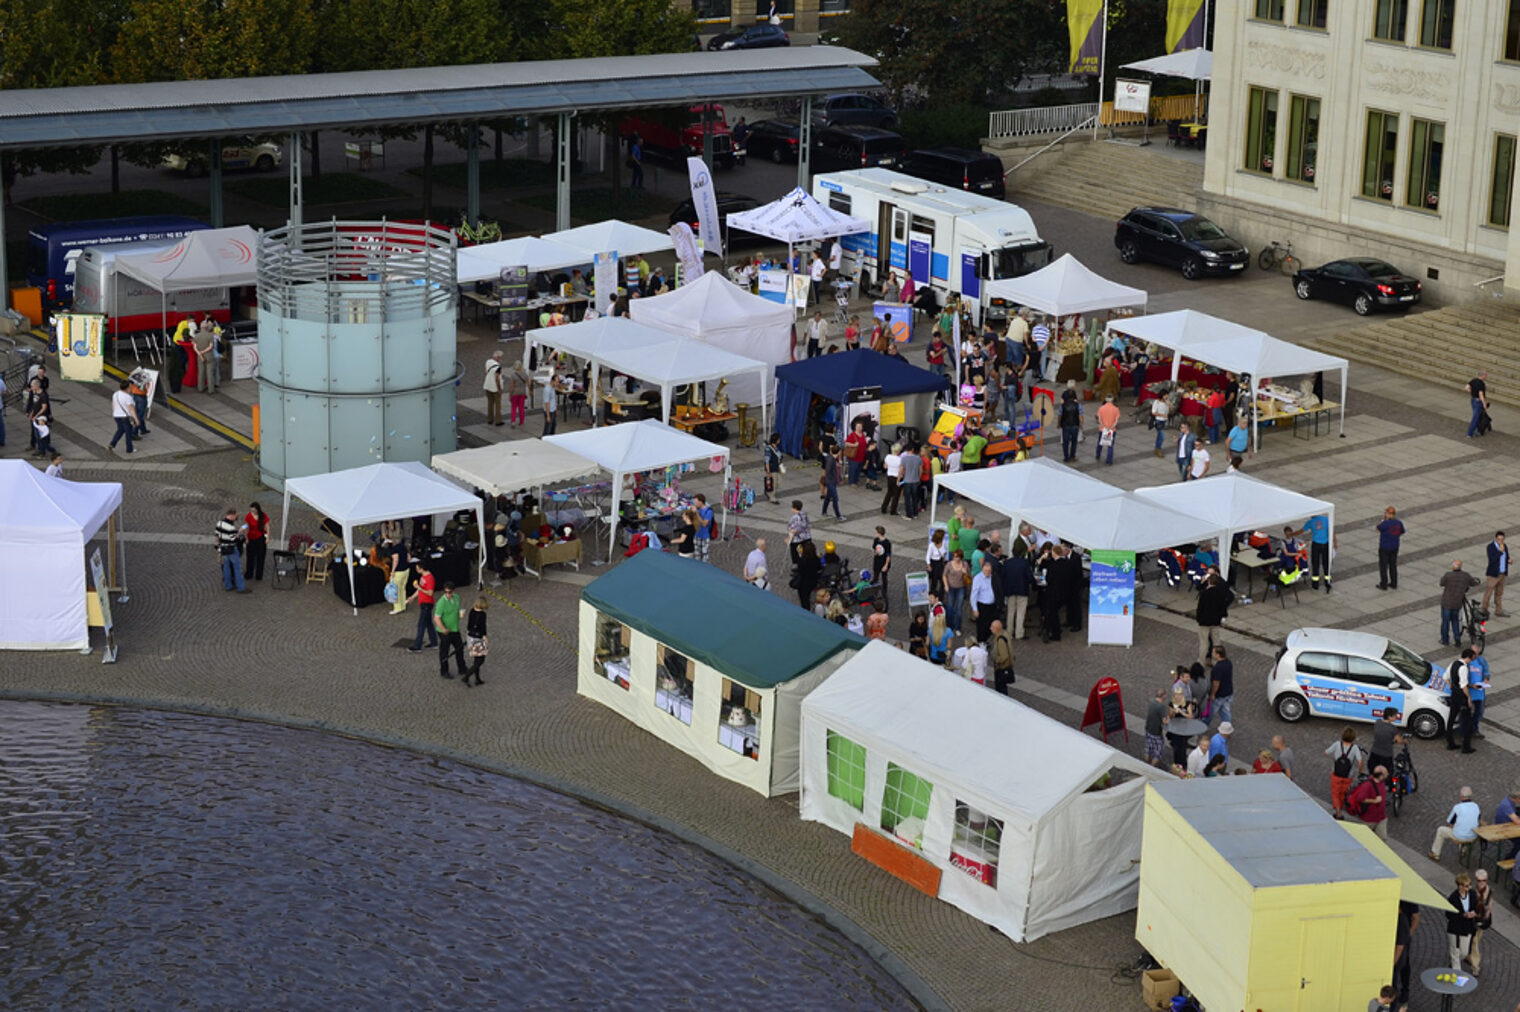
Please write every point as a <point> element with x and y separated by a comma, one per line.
<point>920,256</point>
<point>971,284</point>
<point>1111,599</point>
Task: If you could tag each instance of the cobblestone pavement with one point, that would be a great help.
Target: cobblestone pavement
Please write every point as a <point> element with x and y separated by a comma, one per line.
<point>303,656</point>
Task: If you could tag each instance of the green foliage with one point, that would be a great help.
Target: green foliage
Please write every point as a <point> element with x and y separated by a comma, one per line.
<point>961,125</point>
<point>597,204</point>
<point>329,188</point>
<point>79,206</point>
<point>619,27</point>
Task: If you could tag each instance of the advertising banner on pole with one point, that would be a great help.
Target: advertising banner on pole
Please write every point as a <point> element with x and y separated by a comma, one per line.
<point>514,302</point>
<point>81,356</point>
<point>688,253</point>
<point>1084,24</point>
<point>1184,25</point>
<point>1111,599</point>
<point>604,278</point>
<point>705,199</point>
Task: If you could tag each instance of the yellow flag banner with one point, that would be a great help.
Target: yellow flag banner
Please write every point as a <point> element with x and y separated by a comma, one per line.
<point>1086,29</point>
<point>1184,25</point>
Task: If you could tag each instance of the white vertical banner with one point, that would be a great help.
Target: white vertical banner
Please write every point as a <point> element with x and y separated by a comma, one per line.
<point>705,199</point>
<point>687,252</point>
<point>604,278</point>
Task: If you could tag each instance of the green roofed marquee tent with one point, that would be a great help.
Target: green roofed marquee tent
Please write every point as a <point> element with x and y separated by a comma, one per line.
<point>707,663</point>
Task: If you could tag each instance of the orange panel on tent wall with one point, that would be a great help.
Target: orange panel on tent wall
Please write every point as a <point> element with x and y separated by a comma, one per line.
<point>895,859</point>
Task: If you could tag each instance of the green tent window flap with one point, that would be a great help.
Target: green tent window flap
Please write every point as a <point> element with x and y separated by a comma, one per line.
<point>905,805</point>
<point>610,659</point>
<point>673,684</point>
<point>846,770</point>
<point>978,841</point>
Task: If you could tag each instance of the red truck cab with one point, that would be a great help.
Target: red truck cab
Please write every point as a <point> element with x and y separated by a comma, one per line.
<point>677,143</point>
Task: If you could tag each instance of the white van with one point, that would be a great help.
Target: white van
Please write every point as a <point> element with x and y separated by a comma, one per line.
<point>130,305</point>
<point>952,240</point>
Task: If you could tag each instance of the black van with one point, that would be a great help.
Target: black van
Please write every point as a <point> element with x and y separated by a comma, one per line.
<point>857,147</point>
<point>962,168</point>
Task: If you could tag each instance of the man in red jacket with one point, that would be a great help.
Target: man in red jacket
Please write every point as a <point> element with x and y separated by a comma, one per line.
<point>1368,801</point>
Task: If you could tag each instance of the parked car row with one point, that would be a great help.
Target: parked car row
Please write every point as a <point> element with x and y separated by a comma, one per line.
<point>1198,247</point>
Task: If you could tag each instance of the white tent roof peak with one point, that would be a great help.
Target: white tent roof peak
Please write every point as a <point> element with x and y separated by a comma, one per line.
<point>36,508</point>
<point>797,217</point>
<point>484,262</point>
<point>1235,502</point>
<point>1181,328</point>
<point>504,468</point>
<point>377,492</point>
<point>680,361</point>
<point>1193,64</point>
<point>1125,522</point>
<point>208,258</point>
<point>613,236</point>
<point>1009,756</point>
<point>1064,287</point>
<point>593,338</point>
<point>709,303</point>
<point>1012,489</point>
<point>637,446</point>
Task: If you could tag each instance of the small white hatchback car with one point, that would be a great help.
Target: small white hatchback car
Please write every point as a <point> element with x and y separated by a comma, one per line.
<point>1355,676</point>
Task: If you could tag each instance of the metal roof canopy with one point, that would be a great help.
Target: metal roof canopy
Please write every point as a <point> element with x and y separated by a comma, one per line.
<point>100,114</point>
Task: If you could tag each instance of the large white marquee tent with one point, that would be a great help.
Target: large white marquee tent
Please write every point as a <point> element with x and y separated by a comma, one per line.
<point>1067,851</point>
<point>714,309</point>
<point>1235,348</point>
<point>45,523</point>
<point>1065,287</point>
<point>375,493</point>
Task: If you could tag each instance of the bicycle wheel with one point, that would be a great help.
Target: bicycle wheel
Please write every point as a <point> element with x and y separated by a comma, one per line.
<point>1411,782</point>
<point>1396,796</point>
<point>1268,258</point>
<point>1289,265</point>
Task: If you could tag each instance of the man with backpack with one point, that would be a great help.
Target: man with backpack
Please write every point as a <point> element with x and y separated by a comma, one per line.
<point>1071,422</point>
<point>1368,801</point>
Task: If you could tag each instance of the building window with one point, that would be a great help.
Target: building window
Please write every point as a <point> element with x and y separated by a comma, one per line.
<point>673,684</point>
<point>978,840</point>
<point>834,7</point>
<point>1435,23</point>
<point>1261,130</point>
<point>846,770</point>
<point>784,9</point>
<point>712,10</point>
<point>739,727</point>
<point>1313,13</point>
<point>1269,10</point>
<point>610,657</point>
<point>1303,138</point>
<point>1503,182</point>
<point>1512,31</point>
<point>1425,143</point>
<point>905,805</point>
<point>1389,19</point>
<point>1381,149</point>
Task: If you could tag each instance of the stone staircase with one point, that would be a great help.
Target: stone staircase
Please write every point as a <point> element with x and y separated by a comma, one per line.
<point>1457,341</point>
<point>1107,179</point>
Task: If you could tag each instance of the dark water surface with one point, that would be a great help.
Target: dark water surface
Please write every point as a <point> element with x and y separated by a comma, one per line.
<point>155,860</point>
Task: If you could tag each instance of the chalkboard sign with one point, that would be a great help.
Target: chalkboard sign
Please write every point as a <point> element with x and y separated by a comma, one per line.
<point>1105,707</point>
<point>513,289</point>
<point>1113,714</point>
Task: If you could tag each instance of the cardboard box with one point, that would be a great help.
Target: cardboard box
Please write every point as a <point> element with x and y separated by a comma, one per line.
<point>1158,988</point>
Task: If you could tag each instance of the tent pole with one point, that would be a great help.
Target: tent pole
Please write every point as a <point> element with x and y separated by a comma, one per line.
<point>1255,419</point>
<point>285,514</point>
<point>111,550</point>
<point>348,553</point>
<point>594,395</point>
<point>480,525</point>
<point>728,476</point>
<point>1343,402</point>
<point>612,525</point>
<point>933,498</point>
<point>121,552</point>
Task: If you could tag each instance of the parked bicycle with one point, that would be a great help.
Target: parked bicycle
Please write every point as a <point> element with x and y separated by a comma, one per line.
<point>1475,622</point>
<point>1403,780</point>
<point>1280,256</point>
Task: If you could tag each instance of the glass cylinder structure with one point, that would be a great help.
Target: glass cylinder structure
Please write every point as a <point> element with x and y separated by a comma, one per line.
<point>356,346</point>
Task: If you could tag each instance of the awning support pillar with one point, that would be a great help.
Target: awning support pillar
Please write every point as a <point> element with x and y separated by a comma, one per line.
<point>215,175</point>
<point>562,171</point>
<point>804,144</point>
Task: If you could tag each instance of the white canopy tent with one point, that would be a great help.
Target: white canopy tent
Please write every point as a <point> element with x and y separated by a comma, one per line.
<point>378,492</point>
<point>45,523</point>
<point>679,363</point>
<point>1230,346</point>
<point>934,761</point>
<point>1014,489</point>
<point>484,262</point>
<point>634,447</point>
<point>1124,522</point>
<point>797,217</point>
<point>1065,287</point>
<point>209,258</point>
<point>593,340</point>
<point>612,236</point>
<point>714,309</point>
<point>1193,64</point>
<point>1236,502</point>
<point>504,468</point>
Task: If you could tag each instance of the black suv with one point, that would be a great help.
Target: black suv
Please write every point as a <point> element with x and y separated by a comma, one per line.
<point>960,168</point>
<point>1169,235</point>
<point>854,108</point>
<point>857,147</point>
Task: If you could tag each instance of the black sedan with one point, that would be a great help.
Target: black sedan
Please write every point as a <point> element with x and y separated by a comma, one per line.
<point>728,203</point>
<point>1362,283</point>
<point>753,37</point>
<point>1169,235</point>
<point>774,139</point>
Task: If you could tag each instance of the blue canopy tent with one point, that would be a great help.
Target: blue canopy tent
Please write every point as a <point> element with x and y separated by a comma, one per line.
<point>832,377</point>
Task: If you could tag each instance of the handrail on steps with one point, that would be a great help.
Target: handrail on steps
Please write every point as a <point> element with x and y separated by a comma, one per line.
<point>1088,122</point>
<point>1499,293</point>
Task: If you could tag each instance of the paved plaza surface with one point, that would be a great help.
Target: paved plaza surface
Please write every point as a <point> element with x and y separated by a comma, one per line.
<point>303,656</point>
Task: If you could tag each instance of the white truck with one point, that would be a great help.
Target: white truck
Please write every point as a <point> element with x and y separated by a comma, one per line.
<point>949,239</point>
<point>129,305</point>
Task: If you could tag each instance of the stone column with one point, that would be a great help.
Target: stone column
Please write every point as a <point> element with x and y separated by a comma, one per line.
<point>805,20</point>
<point>1512,247</point>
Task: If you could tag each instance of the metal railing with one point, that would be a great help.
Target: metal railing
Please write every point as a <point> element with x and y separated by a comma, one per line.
<point>1052,119</point>
<point>1497,279</point>
<point>1078,127</point>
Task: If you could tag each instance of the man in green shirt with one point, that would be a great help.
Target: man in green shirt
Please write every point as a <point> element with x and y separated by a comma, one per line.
<point>968,537</point>
<point>446,621</point>
<point>971,453</point>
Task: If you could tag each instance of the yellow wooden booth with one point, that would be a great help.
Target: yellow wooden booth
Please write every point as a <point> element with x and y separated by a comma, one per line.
<point>1258,900</point>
